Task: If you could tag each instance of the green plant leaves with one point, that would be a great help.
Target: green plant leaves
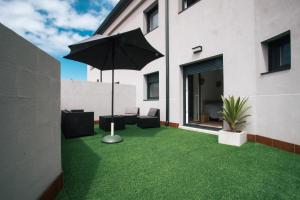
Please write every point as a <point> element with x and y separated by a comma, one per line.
<point>234,111</point>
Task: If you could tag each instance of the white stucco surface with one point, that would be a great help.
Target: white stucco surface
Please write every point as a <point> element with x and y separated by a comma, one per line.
<point>278,94</point>
<point>30,138</point>
<point>234,29</point>
<point>96,97</point>
<point>136,19</point>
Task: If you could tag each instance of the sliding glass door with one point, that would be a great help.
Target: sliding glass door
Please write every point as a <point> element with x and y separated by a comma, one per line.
<point>203,87</point>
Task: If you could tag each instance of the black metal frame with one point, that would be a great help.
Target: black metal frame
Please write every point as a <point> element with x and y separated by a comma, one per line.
<point>184,89</point>
<point>153,9</point>
<point>278,43</point>
<point>151,82</point>
<point>188,6</point>
<point>203,127</point>
<point>167,62</point>
<point>273,40</point>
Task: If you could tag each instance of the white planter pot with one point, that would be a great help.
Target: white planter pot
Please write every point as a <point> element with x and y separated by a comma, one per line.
<point>232,138</point>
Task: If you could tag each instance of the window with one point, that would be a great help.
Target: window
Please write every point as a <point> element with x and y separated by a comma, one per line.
<point>279,53</point>
<point>152,18</point>
<point>152,86</point>
<point>188,3</point>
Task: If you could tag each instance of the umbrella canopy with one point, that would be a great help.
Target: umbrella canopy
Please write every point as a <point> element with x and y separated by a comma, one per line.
<point>128,50</point>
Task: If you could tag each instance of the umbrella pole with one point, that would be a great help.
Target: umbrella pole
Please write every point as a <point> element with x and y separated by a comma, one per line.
<point>112,127</point>
<point>112,138</point>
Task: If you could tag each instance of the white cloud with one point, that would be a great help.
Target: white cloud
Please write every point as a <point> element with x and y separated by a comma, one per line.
<point>51,25</point>
<point>113,2</point>
<point>63,15</point>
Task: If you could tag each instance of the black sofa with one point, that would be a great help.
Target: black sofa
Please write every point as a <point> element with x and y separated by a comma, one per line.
<point>78,110</point>
<point>151,120</point>
<point>77,124</point>
<point>105,122</point>
<point>131,115</point>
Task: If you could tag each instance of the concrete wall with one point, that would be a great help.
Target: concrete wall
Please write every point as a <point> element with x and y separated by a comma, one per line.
<point>30,139</point>
<point>96,97</point>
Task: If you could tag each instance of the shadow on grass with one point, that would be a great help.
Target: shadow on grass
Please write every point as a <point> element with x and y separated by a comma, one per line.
<point>80,164</point>
<point>132,131</point>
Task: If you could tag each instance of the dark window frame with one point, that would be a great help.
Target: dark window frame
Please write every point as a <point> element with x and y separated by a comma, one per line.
<point>273,45</point>
<point>149,13</point>
<point>154,80</point>
<point>183,8</point>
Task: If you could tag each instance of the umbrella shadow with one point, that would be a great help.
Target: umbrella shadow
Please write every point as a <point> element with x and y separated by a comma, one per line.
<point>133,131</point>
<point>80,164</point>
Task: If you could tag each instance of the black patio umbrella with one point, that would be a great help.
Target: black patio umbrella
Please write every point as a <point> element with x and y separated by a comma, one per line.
<point>128,50</point>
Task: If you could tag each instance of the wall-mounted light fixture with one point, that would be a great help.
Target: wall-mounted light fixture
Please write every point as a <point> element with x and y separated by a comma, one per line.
<point>197,49</point>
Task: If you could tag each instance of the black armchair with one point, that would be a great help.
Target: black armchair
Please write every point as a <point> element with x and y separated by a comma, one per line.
<point>151,120</point>
<point>76,124</point>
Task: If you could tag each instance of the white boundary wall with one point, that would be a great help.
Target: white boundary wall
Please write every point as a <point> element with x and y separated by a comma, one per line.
<point>30,136</point>
<point>96,97</point>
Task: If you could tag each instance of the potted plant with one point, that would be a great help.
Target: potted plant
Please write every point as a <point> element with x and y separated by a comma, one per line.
<point>234,114</point>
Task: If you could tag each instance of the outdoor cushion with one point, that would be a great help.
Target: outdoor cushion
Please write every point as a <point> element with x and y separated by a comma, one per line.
<point>152,112</point>
<point>146,117</point>
<point>131,110</point>
<point>130,114</point>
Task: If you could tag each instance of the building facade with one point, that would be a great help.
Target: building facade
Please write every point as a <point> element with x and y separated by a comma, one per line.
<point>213,48</point>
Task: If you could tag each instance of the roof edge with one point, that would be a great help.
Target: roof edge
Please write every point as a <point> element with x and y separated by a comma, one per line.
<point>113,15</point>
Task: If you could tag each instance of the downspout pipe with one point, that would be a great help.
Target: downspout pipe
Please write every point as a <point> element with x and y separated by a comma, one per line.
<point>100,76</point>
<point>167,62</point>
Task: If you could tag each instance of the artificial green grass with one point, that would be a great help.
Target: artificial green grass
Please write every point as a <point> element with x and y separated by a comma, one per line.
<point>168,163</point>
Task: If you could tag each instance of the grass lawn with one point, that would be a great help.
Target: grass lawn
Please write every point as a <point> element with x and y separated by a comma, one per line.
<point>168,163</point>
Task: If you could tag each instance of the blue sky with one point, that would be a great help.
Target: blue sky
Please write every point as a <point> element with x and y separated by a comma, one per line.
<point>52,25</point>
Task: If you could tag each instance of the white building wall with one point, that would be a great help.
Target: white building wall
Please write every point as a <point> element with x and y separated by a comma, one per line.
<point>156,39</point>
<point>93,74</point>
<point>96,97</point>
<point>234,29</point>
<point>30,136</point>
<point>128,77</point>
<point>278,94</point>
<point>220,27</point>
